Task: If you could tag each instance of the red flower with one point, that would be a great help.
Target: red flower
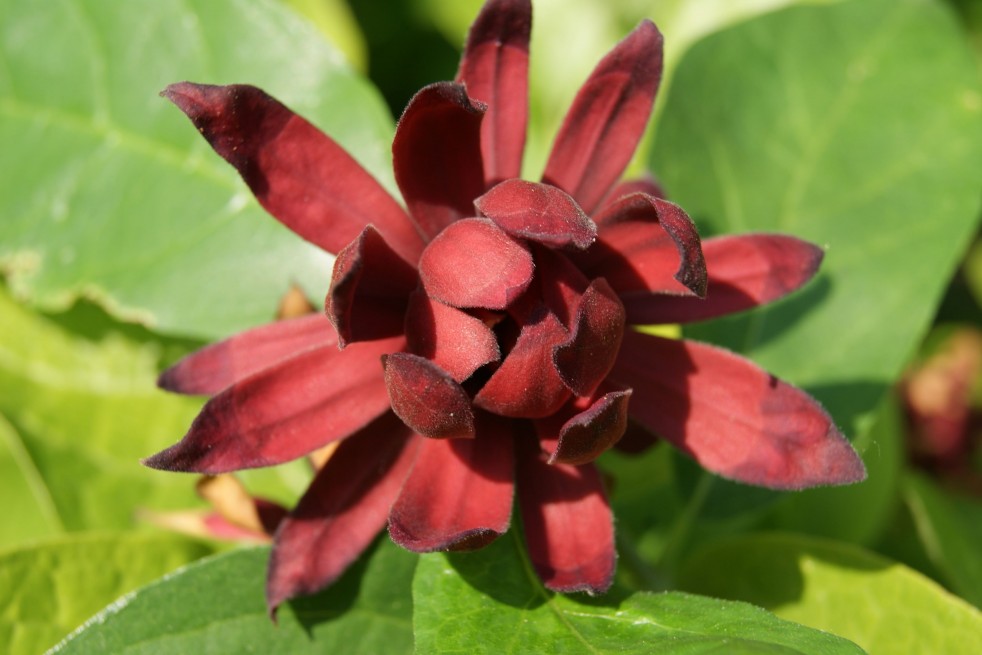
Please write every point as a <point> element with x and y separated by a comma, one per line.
<point>498,310</point>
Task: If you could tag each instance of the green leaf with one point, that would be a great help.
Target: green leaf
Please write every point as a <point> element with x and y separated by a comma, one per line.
<point>490,601</point>
<point>882,606</point>
<point>50,589</point>
<point>109,192</point>
<point>217,606</point>
<point>950,530</point>
<point>30,512</point>
<point>335,20</point>
<point>856,126</point>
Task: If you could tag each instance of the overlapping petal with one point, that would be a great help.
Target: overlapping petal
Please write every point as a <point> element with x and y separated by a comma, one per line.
<point>733,417</point>
<point>300,175</point>
<point>215,367</point>
<point>436,155</point>
<point>427,398</point>
<point>458,495</point>
<point>494,69</point>
<point>744,271</point>
<point>585,358</point>
<point>538,212</point>
<point>285,411</point>
<point>608,116</point>
<point>341,512</point>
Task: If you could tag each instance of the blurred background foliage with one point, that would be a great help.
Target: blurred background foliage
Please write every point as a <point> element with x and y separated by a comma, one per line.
<point>124,244</point>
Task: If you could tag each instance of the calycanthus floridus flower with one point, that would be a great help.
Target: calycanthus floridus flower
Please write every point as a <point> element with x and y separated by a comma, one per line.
<point>475,346</point>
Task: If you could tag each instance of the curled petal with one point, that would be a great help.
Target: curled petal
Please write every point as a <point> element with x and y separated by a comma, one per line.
<point>527,384</point>
<point>285,411</point>
<point>437,156</point>
<point>561,283</point>
<point>744,271</point>
<point>341,512</point>
<point>494,68</point>
<point>473,263</point>
<point>586,357</point>
<point>221,364</point>
<point>426,398</point>
<point>736,419</point>
<point>607,119</point>
<point>538,212</point>
<point>585,436</point>
<point>568,524</point>
<point>458,495</point>
<point>301,176</point>
<point>369,290</point>
<point>647,245</point>
<point>645,184</point>
<point>453,339</point>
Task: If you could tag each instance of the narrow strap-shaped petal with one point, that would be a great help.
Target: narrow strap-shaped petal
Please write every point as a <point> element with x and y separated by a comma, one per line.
<point>473,263</point>
<point>744,271</point>
<point>369,290</point>
<point>527,384</point>
<point>569,528</point>
<point>285,411</point>
<point>646,245</point>
<point>437,156</point>
<point>458,495</point>
<point>736,419</point>
<point>456,341</point>
<point>587,434</point>
<point>300,175</point>
<point>538,212</point>
<point>341,512</point>
<point>494,68</point>
<point>215,367</point>
<point>607,119</point>
<point>586,357</point>
<point>426,398</point>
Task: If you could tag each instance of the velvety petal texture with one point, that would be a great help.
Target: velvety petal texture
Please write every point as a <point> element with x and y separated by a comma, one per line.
<point>586,436</point>
<point>494,69</point>
<point>744,271</point>
<point>437,156</point>
<point>215,367</point>
<point>586,357</point>
<point>341,513</point>
<point>369,291</point>
<point>538,212</point>
<point>473,263</point>
<point>426,398</point>
<point>300,175</point>
<point>608,117</point>
<point>285,411</point>
<point>459,493</point>
<point>736,419</point>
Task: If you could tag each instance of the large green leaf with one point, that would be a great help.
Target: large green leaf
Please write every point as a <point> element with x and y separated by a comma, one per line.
<point>882,606</point>
<point>857,126</point>
<point>217,606</point>
<point>950,530</point>
<point>491,602</point>
<point>30,512</point>
<point>108,191</point>
<point>50,589</point>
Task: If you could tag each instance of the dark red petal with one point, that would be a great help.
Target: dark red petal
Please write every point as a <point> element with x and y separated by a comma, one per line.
<point>636,439</point>
<point>221,364</point>
<point>647,245</point>
<point>473,263</point>
<point>736,419</point>
<point>561,283</point>
<point>588,434</point>
<point>494,68</point>
<point>744,271</point>
<point>646,185</point>
<point>568,524</point>
<point>297,173</point>
<point>586,357</point>
<point>369,290</point>
<point>453,339</point>
<point>607,119</point>
<point>338,517</point>
<point>459,493</point>
<point>437,156</point>
<point>538,212</point>
<point>285,411</point>
<point>526,384</point>
<point>426,398</point>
